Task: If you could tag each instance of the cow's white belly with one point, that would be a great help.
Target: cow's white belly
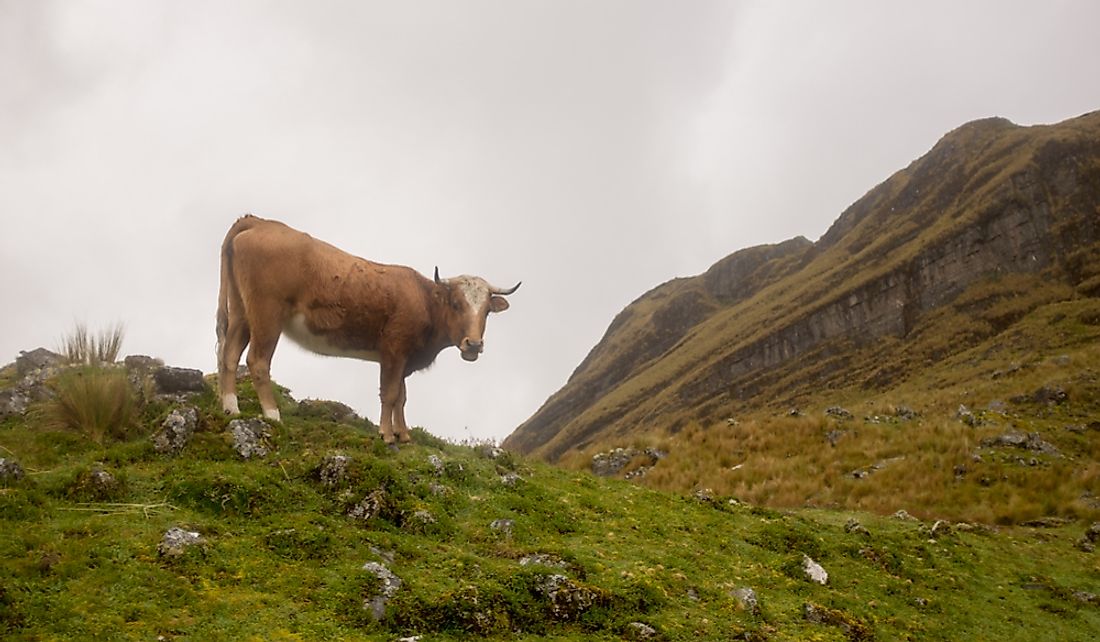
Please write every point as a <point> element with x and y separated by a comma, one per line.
<point>298,332</point>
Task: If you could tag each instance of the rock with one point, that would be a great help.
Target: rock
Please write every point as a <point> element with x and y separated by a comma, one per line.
<point>250,437</point>
<point>610,463</point>
<point>852,628</point>
<point>370,507</point>
<point>834,436</point>
<point>838,412</point>
<point>504,526</point>
<point>176,430</point>
<point>746,598</point>
<point>13,402</point>
<point>102,482</point>
<point>388,587</point>
<point>903,514</point>
<point>704,495</point>
<point>38,359</point>
<point>437,465</point>
<point>814,571</point>
<point>567,600</point>
<point>140,363</point>
<point>639,631</point>
<point>489,451</point>
<point>852,526</point>
<point>964,415</point>
<point>174,381</point>
<point>420,519</point>
<point>905,413</point>
<point>176,542</point>
<point>1031,441</point>
<point>938,529</point>
<point>794,412</point>
<point>1088,541</point>
<point>10,471</point>
<point>331,410</point>
<point>544,559</point>
<point>334,468</point>
<point>996,406</point>
<point>1049,395</point>
<point>510,479</point>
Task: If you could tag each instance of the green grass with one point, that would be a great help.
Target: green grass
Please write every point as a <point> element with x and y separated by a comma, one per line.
<point>283,561</point>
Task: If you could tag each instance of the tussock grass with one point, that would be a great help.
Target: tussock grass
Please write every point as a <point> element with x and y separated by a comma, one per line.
<point>94,401</point>
<point>82,347</point>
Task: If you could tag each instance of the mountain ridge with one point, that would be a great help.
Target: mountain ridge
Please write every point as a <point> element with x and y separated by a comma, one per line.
<point>989,198</point>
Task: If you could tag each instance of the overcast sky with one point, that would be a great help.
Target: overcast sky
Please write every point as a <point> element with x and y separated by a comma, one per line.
<point>591,149</point>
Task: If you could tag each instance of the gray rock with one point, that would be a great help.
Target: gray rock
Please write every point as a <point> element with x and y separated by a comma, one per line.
<point>838,412</point>
<point>814,571</point>
<point>141,363</point>
<point>510,479</point>
<point>388,587</point>
<point>639,631</point>
<point>1030,441</point>
<point>904,515</point>
<point>250,437</point>
<point>437,465</point>
<point>419,519</point>
<point>504,526</point>
<point>611,463</point>
<point>489,451</point>
<point>567,600</point>
<point>10,471</point>
<point>833,436</point>
<point>905,413</point>
<point>964,415</point>
<point>1088,541</point>
<point>544,559</point>
<point>13,401</point>
<point>176,542</point>
<point>176,430</point>
<point>334,468</point>
<point>102,482</point>
<point>174,381</point>
<point>370,507</point>
<point>852,526</point>
<point>748,600</point>
<point>38,359</point>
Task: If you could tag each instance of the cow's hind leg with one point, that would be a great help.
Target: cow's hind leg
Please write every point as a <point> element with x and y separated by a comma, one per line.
<point>229,356</point>
<point>259,366</point>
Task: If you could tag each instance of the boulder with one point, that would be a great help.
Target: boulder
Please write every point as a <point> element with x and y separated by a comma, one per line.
<point>639,631</point>
<point>388,585</point>
<point>747,599</point>
<point>1027,441</point>
<point>334,469</point>
<point>176,430</point>
<point>838,412</point>
<point>38,359</point>
<point>10,471</point>
<point>814,571</point>
<point>176,542</point>
<point>566,600</point>
<point>250,437</point>
<point>13,402</point>
<point>370,507</point>
<point>140,363</point>
<point>175,381</point>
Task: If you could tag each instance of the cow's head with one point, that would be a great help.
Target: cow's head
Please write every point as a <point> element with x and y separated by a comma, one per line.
<point>472,299</point>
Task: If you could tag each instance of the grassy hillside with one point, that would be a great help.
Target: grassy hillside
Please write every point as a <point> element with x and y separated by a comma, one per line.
<point>483,543</point>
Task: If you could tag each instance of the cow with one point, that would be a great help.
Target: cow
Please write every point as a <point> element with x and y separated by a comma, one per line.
<point>278,281</point>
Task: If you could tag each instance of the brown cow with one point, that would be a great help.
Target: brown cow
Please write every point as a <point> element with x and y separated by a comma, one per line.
<point>276,280</point>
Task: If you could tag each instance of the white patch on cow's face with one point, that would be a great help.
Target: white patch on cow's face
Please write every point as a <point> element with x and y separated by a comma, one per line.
<point>474,290</point>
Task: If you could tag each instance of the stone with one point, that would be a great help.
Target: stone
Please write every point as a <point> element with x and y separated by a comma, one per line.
<point>437,465</point>
<point>567,600</point>
<point>964,415</point>
<point>10,471</point>
<point>852,526</point>
<point>102,482</point>
<point>176,541</point>
<point>904,515</point>
<point>489,451</point>
<point>905,413</point>
<point>174,381</point>
<point>833,436</point>
<point>1030,441</point>
<point>504,526</point>
<point>421,518</point>
<point>387,588</point>
<point>747,599</point>
<point>608,464</point>
<point>333,470</point>
<point>814,571</point>
<point>250,437</point>
<point>369,507</point>
<point>544,559</point>
<point>13,402</point>
<point>176,430</point>
<point>639,631</point>
<point>838,412</point>
<point>141,363</point>
<point>510,479</point>
<point>38,359</point>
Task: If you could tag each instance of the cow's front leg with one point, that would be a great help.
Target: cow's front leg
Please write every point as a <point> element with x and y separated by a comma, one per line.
<point>399,425</point>
<point>392,383</point>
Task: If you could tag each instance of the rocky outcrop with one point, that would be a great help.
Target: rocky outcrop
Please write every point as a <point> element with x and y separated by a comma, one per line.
<point>990,199</point>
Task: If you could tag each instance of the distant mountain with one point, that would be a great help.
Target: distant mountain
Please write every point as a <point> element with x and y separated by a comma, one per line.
<point>776,325</point>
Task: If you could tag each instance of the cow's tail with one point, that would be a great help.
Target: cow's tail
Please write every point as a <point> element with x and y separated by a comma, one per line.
<point>227,292</point>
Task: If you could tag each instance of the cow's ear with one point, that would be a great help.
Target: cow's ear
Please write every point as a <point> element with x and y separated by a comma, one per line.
<point>498,304</point>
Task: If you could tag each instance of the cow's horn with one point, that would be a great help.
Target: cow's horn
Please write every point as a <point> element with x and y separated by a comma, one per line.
<point>508,291</point>
<point>437,279</point>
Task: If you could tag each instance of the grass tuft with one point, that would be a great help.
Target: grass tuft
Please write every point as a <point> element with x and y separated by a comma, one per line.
<point>82,347</point>
<point>94,401</point>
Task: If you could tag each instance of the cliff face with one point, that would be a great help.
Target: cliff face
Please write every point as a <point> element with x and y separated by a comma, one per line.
<point>990,199</point>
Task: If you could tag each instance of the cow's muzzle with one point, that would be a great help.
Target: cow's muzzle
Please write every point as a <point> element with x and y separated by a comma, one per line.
<point>471,349</point>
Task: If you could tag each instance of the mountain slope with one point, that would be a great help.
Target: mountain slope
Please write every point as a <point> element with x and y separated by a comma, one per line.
<point>773,325</point>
